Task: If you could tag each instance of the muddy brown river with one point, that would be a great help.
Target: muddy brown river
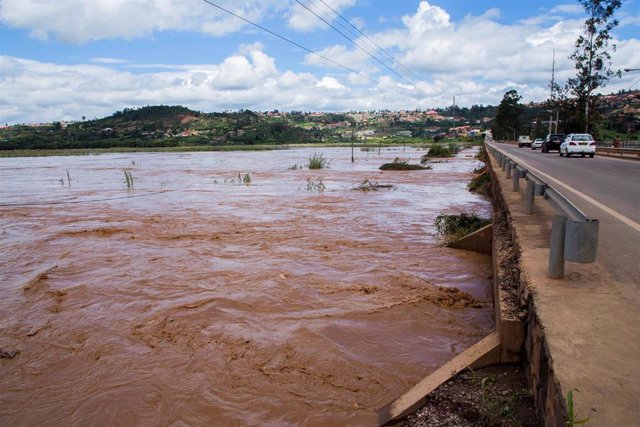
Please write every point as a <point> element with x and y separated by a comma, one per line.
<point>193,299</point>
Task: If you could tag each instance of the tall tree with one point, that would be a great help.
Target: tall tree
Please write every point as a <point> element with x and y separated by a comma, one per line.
<point>507,121</point>
<point>592,55</point>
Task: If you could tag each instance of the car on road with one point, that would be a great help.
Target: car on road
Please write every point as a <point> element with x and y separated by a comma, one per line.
<point>552,142</point>
<point>578,143</point>
<point>524,141</point>
<point>537,143</point>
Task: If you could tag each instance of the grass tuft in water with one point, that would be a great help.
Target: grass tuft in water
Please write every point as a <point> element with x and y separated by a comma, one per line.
<point>315,185</point>
<point>440,150</point>
<point>317,161</point>
<point>454,227</point>
<point>244,179</point>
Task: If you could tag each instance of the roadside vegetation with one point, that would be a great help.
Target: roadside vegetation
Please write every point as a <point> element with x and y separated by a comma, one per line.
<point>481,182</point>
<point>454,227</point>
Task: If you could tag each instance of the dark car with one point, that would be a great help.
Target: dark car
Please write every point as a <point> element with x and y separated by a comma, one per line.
<point>552,142</point>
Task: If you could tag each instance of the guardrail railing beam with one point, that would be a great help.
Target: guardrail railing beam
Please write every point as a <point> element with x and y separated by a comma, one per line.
<point>574,236</point>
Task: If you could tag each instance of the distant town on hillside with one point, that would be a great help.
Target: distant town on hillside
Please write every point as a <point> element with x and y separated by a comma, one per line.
<point>175,126</point>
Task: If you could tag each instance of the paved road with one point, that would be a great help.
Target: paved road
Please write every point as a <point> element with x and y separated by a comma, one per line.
<point>604,188</point>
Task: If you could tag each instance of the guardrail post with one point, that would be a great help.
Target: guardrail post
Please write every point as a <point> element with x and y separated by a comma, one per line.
<point>517,174</point>
<point>581,240</point>
<point>509,165</point>
<point>503,162</point>
<point>556,250</point>
<point>528,196</point>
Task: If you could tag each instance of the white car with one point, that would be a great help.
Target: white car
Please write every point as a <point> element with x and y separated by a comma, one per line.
<point>537,143</point>
<point>578,143</point>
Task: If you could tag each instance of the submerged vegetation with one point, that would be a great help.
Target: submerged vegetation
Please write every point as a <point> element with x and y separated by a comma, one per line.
<point>244,179</point>
<point>367,185</point>
<point>440,150</point>
<point>457,226</point>
<point>402,165</point>
<point>128,178</point>
<point>317,185</point>
<point>317,161</point>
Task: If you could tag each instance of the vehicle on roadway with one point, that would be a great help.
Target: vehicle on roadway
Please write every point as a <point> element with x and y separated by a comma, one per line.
<point>524,141</point>
<point>537,143</point>
<point>552,142</point>
<point>578,143</point>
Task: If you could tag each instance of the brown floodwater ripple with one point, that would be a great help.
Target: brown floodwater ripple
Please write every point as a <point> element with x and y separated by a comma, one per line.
<point>200,297</point>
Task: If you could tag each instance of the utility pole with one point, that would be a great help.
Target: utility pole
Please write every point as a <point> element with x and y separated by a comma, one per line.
<point>454,114</point>
<point>552,89</point>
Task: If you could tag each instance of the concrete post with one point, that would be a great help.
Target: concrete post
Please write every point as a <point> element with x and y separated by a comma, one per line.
<point>516,179</point>
<point>581,240</point>
<point>556,250</point>
<point>528,197</point>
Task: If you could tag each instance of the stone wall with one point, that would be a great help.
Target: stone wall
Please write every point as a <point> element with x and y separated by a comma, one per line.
<point>517,318</point>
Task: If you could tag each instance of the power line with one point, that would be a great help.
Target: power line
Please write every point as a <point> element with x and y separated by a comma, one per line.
<point>355,43</point>
<point>370,40</point>
<point>290,41</point>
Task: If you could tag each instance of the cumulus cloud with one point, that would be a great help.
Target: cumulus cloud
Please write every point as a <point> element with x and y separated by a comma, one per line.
<point>330,83</point>
<point>355,58</point>
<point>478,50</point>
<point>476,59</point>
<point>80,21</point>
<point>34,91</point>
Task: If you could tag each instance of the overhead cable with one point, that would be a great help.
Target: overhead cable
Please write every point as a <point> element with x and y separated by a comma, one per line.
<point>290,41</point>
<point>356,44</point>
<point>370,40</point>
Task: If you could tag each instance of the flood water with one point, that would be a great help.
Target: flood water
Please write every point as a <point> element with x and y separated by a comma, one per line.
<point>193,299</point>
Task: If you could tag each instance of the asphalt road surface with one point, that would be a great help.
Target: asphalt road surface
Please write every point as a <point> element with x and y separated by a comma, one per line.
<point>604,188</point>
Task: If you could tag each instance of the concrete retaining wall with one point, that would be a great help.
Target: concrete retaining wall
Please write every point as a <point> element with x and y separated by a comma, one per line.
<point>535,354</point>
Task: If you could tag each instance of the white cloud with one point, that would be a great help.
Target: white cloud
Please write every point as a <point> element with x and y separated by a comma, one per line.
<point>355,58</point>
<point>302,19</point>
<point>244,49</point>
<point>476,59</point>
<point>35,91</point>
<point>109,61</point>
<point>570,9</point>
<point>330,83</point>
<point>80,21</point>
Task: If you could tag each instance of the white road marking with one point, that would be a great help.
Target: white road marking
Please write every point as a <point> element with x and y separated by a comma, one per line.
<point>631,223</point>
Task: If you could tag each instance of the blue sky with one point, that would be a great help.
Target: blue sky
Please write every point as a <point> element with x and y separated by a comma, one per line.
<point>64,59</point>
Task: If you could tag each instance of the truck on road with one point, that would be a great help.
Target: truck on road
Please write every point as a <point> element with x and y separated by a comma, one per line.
<point>524,141</point>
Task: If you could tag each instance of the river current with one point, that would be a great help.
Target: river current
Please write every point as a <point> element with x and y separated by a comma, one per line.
<point>194,295</point>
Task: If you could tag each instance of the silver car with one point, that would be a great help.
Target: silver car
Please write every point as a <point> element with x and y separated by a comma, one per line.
<point>537,143</point>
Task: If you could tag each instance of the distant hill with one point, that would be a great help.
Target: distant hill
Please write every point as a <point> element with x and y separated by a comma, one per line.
<point>172,126</point>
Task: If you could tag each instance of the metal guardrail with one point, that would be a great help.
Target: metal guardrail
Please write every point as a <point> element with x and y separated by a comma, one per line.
<point>622,152</point>
<point>574,236</point>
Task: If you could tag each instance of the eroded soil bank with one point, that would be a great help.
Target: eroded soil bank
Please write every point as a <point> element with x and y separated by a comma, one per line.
<point>194,298</point>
